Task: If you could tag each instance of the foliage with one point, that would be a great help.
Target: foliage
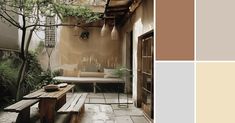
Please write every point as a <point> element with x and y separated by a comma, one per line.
<point>33,12</point>
<point>8,77</point>
<point>47,77</point>
<point>39,48</point>
<point>121,72</point>
<point>82,13</point>
<point>9,67</point>
<point>34,78</point>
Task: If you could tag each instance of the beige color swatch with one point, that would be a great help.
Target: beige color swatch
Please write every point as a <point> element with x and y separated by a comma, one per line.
<point>215,101</point>
<point>215,30</point>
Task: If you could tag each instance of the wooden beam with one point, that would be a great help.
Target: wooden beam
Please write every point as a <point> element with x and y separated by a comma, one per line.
<point>107,4</point>
<point>118,10</point>
<point>119,6</point>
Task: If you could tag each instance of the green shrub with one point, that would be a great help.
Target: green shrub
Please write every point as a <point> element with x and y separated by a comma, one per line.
<point>8,77</point>
<point>32,78</point>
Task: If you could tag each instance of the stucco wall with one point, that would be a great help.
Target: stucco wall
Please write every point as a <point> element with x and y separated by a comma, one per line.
<point>8,36</point>
<point>140,22</point>
<point>88,55</point>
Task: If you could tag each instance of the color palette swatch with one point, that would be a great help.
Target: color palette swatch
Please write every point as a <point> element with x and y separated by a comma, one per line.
<point>195,67</point>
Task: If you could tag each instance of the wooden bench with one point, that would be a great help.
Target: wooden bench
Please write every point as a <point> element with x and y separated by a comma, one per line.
<point>74,106</point>
<point>23,108</point>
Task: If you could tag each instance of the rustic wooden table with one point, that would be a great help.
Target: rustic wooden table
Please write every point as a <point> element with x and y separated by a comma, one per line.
<point>49,102</point>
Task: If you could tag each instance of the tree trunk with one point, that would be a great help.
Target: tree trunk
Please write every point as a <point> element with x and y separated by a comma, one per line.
<point>23,64</point>
<point>21,75</point>
<point>24,54</point>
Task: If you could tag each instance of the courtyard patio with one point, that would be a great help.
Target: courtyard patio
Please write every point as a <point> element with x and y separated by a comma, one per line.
<point>76,61</point>
<point>99,108</point>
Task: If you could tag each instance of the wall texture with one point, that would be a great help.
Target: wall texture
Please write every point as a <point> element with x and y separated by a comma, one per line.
<point>175,29</point>
<point>140,23</point>
<point>91,54</point>
<point>8,37</point>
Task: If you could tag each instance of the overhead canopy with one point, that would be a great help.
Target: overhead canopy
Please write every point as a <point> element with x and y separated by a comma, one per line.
<point>8,37</point>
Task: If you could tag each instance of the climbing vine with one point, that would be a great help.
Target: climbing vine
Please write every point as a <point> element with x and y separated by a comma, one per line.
<point>82,13</point>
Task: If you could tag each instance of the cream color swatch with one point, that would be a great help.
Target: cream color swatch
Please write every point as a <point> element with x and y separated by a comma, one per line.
<point>215,93</point>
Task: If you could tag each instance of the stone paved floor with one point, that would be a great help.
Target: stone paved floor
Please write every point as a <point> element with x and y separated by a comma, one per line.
<point>99,108</point>
<point>107,98</point>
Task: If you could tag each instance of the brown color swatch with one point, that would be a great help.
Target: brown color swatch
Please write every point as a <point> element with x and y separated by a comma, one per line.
<point>175,30</point>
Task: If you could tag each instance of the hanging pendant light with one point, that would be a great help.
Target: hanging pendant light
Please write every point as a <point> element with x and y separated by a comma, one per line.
<point>114,33</point>
<point>105,29</point>
<point>76,28</point>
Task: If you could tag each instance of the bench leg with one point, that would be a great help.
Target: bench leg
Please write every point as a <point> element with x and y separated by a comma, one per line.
<point>94,87</point>
<point>82,109</point>
<point>24,116</point>
<point>76,117</point>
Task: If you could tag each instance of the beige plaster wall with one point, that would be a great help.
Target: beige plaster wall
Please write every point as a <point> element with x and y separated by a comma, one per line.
<point>140,22</point>
<point>9,36</point>
<point>87,55</point>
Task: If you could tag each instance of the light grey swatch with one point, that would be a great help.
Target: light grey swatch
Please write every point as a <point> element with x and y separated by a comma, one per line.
<point>174,89</point>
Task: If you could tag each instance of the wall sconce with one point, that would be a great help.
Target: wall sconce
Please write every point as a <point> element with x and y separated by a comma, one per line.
<point>75,28</point>
<point>84,35</point>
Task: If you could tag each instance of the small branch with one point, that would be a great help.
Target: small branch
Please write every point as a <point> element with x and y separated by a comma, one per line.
<point>31,31</point>
<point>70,25</point>
<point>14,12</point>
<point>8,20</point>
<point>57,12</point>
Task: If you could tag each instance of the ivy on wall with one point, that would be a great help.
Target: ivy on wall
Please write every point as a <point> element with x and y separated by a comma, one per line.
<point>81,13</point>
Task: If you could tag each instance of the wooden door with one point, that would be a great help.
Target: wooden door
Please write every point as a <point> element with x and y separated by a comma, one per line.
<point>145,73</point>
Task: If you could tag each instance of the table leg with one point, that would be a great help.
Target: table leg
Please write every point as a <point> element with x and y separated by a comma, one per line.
<point>47,110</point>
<point>60,102</point>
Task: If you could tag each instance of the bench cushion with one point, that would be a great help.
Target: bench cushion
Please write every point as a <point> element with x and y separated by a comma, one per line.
<point>74,104</point>
<point>110,73</point>
<point>21,105</point>
<point>91,74</point>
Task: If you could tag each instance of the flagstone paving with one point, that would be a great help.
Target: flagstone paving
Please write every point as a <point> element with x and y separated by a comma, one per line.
<point>101,111</point>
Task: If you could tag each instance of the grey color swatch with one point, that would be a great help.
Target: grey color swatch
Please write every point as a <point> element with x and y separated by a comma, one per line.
<point>174,89</point>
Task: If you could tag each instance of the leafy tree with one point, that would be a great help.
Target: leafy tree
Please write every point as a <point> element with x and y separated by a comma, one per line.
<point>32,14</point>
